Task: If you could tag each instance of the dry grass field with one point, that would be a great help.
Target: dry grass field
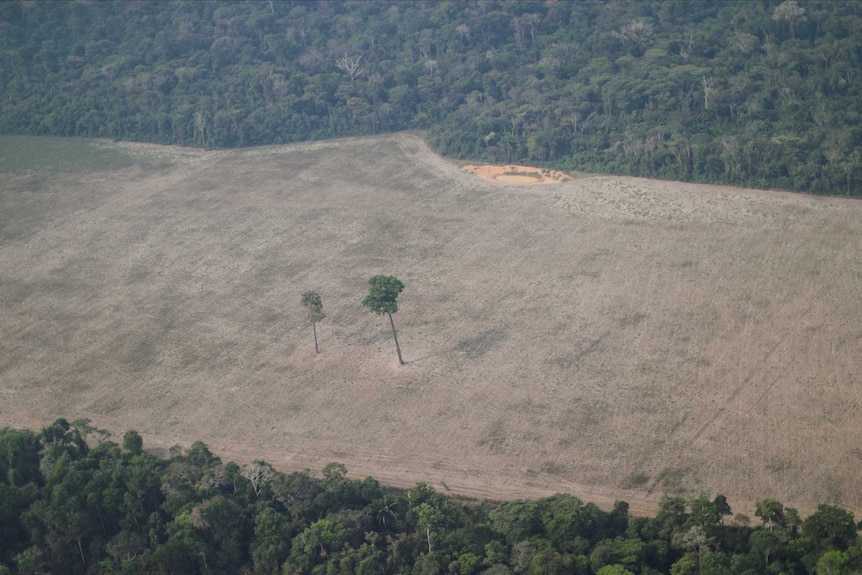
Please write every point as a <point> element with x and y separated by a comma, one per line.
<point>615,338</point>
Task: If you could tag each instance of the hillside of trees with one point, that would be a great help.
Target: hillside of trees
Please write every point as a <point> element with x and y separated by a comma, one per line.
<point>756,93</point>
<point>69,508</point>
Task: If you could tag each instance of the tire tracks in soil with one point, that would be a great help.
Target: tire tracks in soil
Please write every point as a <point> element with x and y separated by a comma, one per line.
<point>397,472</point>
<point>720,412</point>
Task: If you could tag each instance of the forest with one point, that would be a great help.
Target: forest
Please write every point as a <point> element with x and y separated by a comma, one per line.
<point>72,501</point>
<point>761,94</point>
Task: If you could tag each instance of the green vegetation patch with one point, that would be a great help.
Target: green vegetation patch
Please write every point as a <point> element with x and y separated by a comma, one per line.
<point>637,479</point>
<point>54,154</point>
<point>760,94</point>
<point>222,517</point>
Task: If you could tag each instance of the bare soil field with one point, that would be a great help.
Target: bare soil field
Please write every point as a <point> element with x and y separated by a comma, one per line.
<point>610,337</point>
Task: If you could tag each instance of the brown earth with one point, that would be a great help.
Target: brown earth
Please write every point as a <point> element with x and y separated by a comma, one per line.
<point>615,338</point>
<point>514,174</point>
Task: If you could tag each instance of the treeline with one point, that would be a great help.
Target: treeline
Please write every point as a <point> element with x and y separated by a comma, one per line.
<point>66,507</point>
<point>757,93</point>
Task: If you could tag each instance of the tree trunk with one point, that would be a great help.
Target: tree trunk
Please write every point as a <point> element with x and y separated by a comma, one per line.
<point>314,328</point>
<point>395,335</point>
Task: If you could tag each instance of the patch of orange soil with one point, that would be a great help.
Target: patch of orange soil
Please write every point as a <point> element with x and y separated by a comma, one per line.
<point>514,174</point>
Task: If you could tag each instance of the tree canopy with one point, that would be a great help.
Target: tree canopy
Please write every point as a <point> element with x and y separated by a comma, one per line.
<point>110,510</point>
<point>764,93</point>
<point>383,294</point>
<point>314,306</point>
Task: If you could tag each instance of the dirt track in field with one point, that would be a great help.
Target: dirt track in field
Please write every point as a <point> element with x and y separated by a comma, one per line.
<point>616,338</point>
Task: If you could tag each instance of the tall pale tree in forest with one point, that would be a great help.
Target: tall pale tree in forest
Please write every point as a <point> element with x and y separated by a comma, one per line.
<point>791,12</point>
<point>311,301</point>
<point>429,518</point>
<point>383,298</point>
<point>258,473</point>
<point>771,512</point>
<point>349,64</point>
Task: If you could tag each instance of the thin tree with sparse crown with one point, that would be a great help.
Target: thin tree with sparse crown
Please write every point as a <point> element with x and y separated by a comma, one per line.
<point>311,301</point>
<point>383,298</point>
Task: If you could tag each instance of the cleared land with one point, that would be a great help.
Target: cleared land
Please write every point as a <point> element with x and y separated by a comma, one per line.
<point>611,337</point>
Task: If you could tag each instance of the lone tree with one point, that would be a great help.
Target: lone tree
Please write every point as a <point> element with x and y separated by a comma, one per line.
<point>311,302</point>
<point>383,298</point>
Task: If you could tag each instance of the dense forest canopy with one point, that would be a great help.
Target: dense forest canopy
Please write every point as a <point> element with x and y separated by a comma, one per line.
<point>755,93</point>
<point>71,502</point>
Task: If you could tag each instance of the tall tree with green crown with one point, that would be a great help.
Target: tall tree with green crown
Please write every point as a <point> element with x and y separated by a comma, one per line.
<point>383,298</point>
